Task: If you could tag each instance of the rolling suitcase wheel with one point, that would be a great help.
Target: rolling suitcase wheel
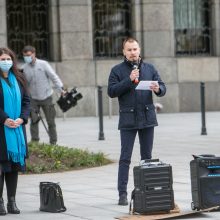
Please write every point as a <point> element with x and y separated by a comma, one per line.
<point>193,206</point>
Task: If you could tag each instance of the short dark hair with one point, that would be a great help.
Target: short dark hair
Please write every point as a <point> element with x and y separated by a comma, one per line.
<point>29,48</point>
<point>129,39</point>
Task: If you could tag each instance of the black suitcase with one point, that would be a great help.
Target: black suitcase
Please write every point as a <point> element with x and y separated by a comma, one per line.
<point>205,181</point>
<point>153,190</point>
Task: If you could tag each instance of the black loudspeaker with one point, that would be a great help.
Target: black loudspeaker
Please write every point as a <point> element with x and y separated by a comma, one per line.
<point>153,190</point>
<point>205,182</point>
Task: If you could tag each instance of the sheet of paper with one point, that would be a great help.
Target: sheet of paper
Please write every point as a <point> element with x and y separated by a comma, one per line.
<point>144,85</point>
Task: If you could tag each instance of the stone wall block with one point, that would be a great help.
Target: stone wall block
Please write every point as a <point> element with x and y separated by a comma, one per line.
<point>74,18</point>
<point>167,68</point>
<point>3,24</point>
<point>189,97</point>
<point>157,44</point>
<point>77,73</point>
<point>198,69</point>
<point>3,40</point>
<point>158,17</point>
<point>76,46</point>
<point>103,69</point>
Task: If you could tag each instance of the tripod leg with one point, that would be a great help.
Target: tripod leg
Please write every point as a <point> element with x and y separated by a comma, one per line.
<point>43,123</point>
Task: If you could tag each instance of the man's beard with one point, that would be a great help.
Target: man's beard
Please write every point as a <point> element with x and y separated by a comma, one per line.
<point>133,59</point>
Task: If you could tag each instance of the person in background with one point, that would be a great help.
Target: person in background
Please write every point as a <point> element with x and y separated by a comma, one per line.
<point>136,109</point>
<point>14,113</point>
<point>39,75</point>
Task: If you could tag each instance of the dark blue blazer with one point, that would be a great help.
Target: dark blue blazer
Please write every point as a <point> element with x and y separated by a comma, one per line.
<point>136,108</point>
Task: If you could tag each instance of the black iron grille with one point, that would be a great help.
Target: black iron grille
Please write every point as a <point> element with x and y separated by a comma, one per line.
<point>28,24</point>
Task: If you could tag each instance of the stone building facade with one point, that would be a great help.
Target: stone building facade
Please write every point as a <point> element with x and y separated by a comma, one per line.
<point>153,24</point>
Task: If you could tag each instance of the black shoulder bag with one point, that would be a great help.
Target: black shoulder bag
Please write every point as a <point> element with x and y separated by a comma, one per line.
<point>51,198</point>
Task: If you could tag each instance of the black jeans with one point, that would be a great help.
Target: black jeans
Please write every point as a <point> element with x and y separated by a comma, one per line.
<point>146,137</point>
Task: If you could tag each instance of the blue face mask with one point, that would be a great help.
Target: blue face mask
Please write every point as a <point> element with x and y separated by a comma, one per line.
<point>28,59</point>
<point>5,65</point>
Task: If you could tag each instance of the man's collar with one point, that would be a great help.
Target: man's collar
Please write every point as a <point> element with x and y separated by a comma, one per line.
<point>133,63</point>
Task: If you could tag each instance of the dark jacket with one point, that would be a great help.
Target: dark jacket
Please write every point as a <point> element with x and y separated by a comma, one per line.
<point>136,108</point>
<point>25,110</point>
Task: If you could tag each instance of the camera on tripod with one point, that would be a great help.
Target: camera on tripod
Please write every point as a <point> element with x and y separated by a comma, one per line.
<point>69,99</point>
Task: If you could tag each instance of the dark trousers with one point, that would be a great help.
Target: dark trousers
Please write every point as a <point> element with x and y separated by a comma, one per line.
<point>50,114</point>
<point>11,180</point>
<point>146,137</point>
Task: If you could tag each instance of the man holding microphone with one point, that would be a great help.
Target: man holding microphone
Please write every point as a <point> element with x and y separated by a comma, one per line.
<point>136,109</point>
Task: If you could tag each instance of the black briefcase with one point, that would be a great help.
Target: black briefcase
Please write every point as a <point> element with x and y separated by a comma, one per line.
<point>51,198</point>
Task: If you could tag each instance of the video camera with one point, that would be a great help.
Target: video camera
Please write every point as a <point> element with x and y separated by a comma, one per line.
<point>69,99</point>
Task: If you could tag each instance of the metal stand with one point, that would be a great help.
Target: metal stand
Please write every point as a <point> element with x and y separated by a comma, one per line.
<point>202,92</point>
<point>100,108</point>
<point>41,119</point>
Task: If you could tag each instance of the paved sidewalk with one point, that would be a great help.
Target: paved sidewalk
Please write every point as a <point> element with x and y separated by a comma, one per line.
<point>91,193</point>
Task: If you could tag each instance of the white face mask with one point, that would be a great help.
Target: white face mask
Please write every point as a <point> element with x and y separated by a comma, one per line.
<point>5,65</point>
<point>28,59</point>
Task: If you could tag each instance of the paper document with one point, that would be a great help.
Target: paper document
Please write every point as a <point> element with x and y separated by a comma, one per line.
<point>144,85</point>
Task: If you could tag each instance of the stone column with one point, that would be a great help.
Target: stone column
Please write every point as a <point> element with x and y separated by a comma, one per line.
<point>77,68</point>
<point>158,37</point>
<point>3,23</point>
<point>54,28</point>
<point>75,28</point>
<point>158,28</point>
<point>137,24</point>
<point>215,32</point>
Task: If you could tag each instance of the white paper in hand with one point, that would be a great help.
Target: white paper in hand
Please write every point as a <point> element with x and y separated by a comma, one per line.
<point>144,85</point>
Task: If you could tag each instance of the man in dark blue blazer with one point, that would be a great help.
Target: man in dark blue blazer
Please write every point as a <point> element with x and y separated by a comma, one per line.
<point>136,109</point>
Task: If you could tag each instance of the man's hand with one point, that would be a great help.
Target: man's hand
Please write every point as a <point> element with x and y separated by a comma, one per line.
<point>63,93</point>
<point>134,74</point>
<point>155,87</point>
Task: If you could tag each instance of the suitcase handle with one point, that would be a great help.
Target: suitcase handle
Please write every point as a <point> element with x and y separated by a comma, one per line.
<point>203,155</point>
<point>148,162</point>
<point>151,160</point>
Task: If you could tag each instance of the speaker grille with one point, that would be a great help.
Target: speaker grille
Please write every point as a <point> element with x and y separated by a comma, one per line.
<point>210,191</point>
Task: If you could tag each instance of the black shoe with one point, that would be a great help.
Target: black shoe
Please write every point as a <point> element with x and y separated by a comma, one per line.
<point>12,207</point>
<point>123,200</point>
<point>2,207</point>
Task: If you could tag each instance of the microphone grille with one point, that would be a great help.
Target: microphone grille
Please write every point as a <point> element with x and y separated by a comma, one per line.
<point>135,66</point>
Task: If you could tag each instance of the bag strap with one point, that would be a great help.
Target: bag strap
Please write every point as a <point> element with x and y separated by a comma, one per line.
<point>46,196</point>
<point>61,195</point>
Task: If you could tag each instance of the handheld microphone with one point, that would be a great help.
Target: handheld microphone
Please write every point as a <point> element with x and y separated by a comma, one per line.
<point>135,67</point>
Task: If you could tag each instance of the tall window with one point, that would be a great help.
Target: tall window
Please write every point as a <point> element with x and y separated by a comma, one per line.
<point>111,25</point>
<point>192,27</point>
<point>27,24</point>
